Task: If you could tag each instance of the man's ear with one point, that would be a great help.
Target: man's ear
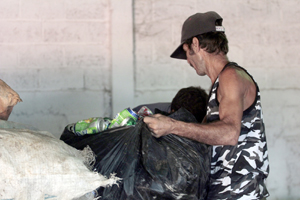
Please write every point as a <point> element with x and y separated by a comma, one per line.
<point>195,44</point>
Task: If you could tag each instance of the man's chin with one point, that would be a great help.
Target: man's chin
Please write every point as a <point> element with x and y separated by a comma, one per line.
<point>201,73</point>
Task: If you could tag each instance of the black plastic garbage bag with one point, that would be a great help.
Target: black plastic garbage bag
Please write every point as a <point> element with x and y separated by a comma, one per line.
<point>170,167</point>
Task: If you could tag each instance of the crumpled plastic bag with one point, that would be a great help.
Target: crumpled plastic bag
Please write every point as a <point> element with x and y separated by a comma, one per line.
<point>170,167</point>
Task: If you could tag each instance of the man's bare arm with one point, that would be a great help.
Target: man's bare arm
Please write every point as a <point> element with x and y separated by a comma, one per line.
<point>223,132</point>
<point>216,133</point>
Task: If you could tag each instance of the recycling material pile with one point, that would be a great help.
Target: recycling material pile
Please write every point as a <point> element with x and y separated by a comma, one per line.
<point>94,125</point>
<point>170,167</point>
<point>36,165</point>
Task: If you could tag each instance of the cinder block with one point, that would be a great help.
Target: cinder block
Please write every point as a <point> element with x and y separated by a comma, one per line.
<point>142,12</point>
<point>256,55</point>
<point>290,122</point>
<point>280,98</point>
<point>291,54</point>
<point>143,33</point>
<point>288,11</point>
<point>278,164</point>
<point>270,115</point>
<point>160,76</point>
<point>87,56</point>
<point>41,56</point>
<point>293,165</point>
<point>160,13</point>
<point>257,33</point>
<point>283,34</point>
<point>256,11</point>
<point>21,79</point>
<point>236,35</point>
<point>36,9</point>
<point>284,78</point>
<point>60,79</point>
<point>143,53</point>
<point>75,31</point>
<point>87,9</point>
<point>98,78</point>
<point>236,54</point>
<point>9,9</point>
<point>21,31</point>
<point>162,52</point>
<point>9,56</point>
<point>284,165</point>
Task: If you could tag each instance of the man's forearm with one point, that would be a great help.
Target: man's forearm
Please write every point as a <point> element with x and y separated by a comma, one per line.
<point>216,133</point>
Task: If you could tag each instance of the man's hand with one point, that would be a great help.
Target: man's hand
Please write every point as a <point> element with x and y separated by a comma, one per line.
<point>159,125</point>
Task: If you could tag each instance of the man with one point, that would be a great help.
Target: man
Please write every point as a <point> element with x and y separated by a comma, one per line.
<point>234,123</point>
<point>193,99</point>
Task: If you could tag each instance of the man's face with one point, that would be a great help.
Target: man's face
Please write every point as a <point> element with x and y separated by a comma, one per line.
<point>189,54</point>
<point>194,59</point>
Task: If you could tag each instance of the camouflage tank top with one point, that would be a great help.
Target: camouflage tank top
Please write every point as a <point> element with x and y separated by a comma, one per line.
<point>240,171</point>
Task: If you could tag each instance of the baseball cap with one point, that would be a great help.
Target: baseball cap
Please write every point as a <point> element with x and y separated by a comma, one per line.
<point>197,24</point>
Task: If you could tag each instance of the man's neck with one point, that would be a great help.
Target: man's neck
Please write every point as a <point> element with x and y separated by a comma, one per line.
<point>215,64</point>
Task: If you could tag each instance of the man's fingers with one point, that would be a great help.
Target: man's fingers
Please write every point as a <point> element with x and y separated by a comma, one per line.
<point>152,117</point>
<point>154,124</point>
<point>148,119</point>
<point>156,115</point>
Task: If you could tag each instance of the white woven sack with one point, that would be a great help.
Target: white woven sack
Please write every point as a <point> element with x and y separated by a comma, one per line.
<point>36,165</point>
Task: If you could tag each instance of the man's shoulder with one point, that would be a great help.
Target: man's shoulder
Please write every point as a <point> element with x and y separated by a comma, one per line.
<point>234,72</point>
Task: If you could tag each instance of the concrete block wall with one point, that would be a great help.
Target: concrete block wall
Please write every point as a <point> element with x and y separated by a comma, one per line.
<point>61,57</point>
<point>56,55</point>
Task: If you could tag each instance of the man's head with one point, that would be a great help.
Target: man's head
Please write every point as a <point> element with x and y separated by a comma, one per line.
<point>8,99</point>
<point>194,99</point>
<point>207,28</point>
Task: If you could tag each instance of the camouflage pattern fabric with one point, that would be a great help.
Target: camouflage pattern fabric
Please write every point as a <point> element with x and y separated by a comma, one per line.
<point>240,171</point>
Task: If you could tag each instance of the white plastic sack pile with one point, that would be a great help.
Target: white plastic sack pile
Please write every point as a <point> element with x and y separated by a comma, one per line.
<point>36,165</point>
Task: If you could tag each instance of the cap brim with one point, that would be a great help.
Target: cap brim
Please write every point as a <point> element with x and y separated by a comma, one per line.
<point>179,53</point>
